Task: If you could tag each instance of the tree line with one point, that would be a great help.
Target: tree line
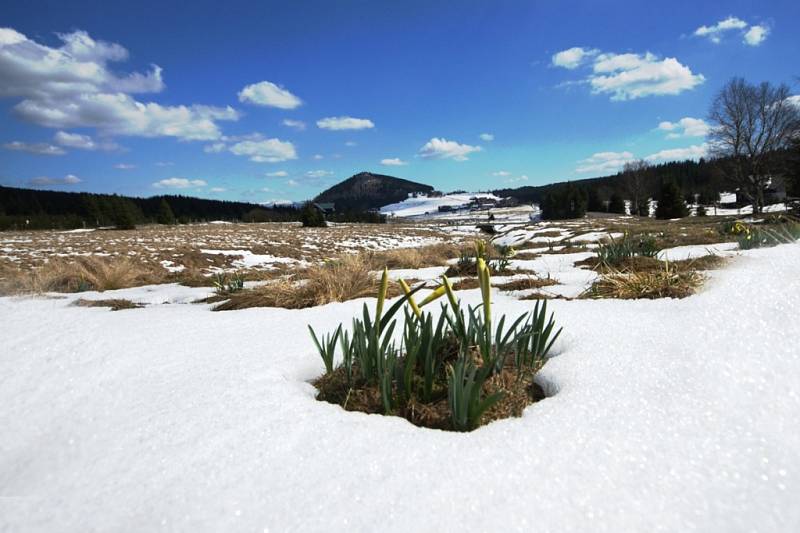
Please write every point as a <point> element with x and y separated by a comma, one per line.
<point>754,142</point>
<point>35,209</point>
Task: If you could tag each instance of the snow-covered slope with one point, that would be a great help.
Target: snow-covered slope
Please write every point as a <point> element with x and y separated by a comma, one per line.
<point>422,205</point>
<point>666,415</point>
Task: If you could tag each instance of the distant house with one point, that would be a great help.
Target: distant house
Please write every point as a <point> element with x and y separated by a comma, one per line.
<point>325,207</point>
<point>482,202</point>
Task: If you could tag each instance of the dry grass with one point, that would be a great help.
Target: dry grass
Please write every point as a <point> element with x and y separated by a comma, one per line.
<point>346,278</point>
<point>82,274</point>
<point>115,304</point>
<point>424,256</point>
<point>667,282</point>
<point>526,283</point>
<point>517,393</point>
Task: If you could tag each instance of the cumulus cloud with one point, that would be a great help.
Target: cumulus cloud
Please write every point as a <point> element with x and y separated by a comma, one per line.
<point>266,93</point>
<point>345,123</point>
<point>124,166</point>
<point>277,174</point>
<point>255,147</point>
<point>631,76</point>
<point>501,174</point>
<point>488,137</point>
<point>572,58</point>
<point>82,142</point>
<point>685,127</point>
<point>298,125</point>
<point>714,33</point>
<point>69,179</point>
<point>751,35</point>
<point>34,148</point>
<point>679,154</point>
<point>393,162</point>
<point>178,183</point>
<point>318,174</point>
<point>756,35</point>
<point>605,162</point>
<point>438,148</point>
<point>217,189</point>
<point>72,86</point>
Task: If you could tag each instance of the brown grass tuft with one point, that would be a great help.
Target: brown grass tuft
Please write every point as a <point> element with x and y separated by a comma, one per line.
<point>346,278</point>
<point>526,283</point>
<point>423,256</point>
<point>83,274</point>
<point>115,304</point>
<point>668,282</point>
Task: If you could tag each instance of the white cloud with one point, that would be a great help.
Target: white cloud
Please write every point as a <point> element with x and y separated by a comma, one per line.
<point>298,125</point>
<point>178,183</point>
<point>756,35</point>
<point>573,57</point>
<point>124,166</point>
<point>277,201</point>
<point>438,148</point>
<point>605,162</point>
<point>164,163</point>
<point>318,173</point>
<point>277,174</point>
<point>72,86</point>
<point>292,183</point>
<point>714,33</point>
<point>518,179</point>
<point>69,179</point>
<point>630,76</point>
<point>217,189</point>
<point>679,154</point>
<point>488,137</point>
<point>685,127</point>
<point>393,162</point>
<point>265,150</point>
<point>82,142</point>
<point>351,144</point>
<point>215,148</point>
<point>501,174</point>
<point>317,157</point>
<point>344,123</point>
<point>34,148</point>
<point>268,94</point>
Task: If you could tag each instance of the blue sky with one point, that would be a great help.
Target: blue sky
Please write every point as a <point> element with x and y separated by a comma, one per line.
<point>264,101</point>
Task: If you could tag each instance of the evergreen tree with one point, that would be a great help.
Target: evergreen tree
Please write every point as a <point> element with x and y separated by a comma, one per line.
<point>165,214</point>
<point>616,204</point>
<point>564,203</point>
<point>312,217</point>
<point>670,202</point>
<point>594,203</point>
<point>124,214</point>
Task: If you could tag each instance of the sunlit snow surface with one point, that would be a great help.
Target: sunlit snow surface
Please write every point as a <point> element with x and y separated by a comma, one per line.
<point>666,415</point>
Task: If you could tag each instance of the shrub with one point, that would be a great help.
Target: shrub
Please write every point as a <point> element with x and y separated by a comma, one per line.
<point>701,211</point>
<point>456,372</point>
<point>666,282</point>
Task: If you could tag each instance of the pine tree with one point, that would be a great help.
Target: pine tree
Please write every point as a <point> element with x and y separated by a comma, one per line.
<point>670,202</point>
<point>616,204</point>
<point>311,217</point>
<point>165,214</point>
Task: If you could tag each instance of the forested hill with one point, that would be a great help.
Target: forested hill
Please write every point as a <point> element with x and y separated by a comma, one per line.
<point>692,177</point>
<point>35,209</point>
<point>370,191</point>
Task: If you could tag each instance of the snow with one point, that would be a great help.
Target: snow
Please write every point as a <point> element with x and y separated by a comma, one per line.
<point>251,260</point>
<point>694,251</point>
<point>420,205</point>
<point>664,415</point>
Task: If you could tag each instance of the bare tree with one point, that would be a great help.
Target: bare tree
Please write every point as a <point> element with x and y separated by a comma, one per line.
<point>750,122</point>
<point>635,174</point>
